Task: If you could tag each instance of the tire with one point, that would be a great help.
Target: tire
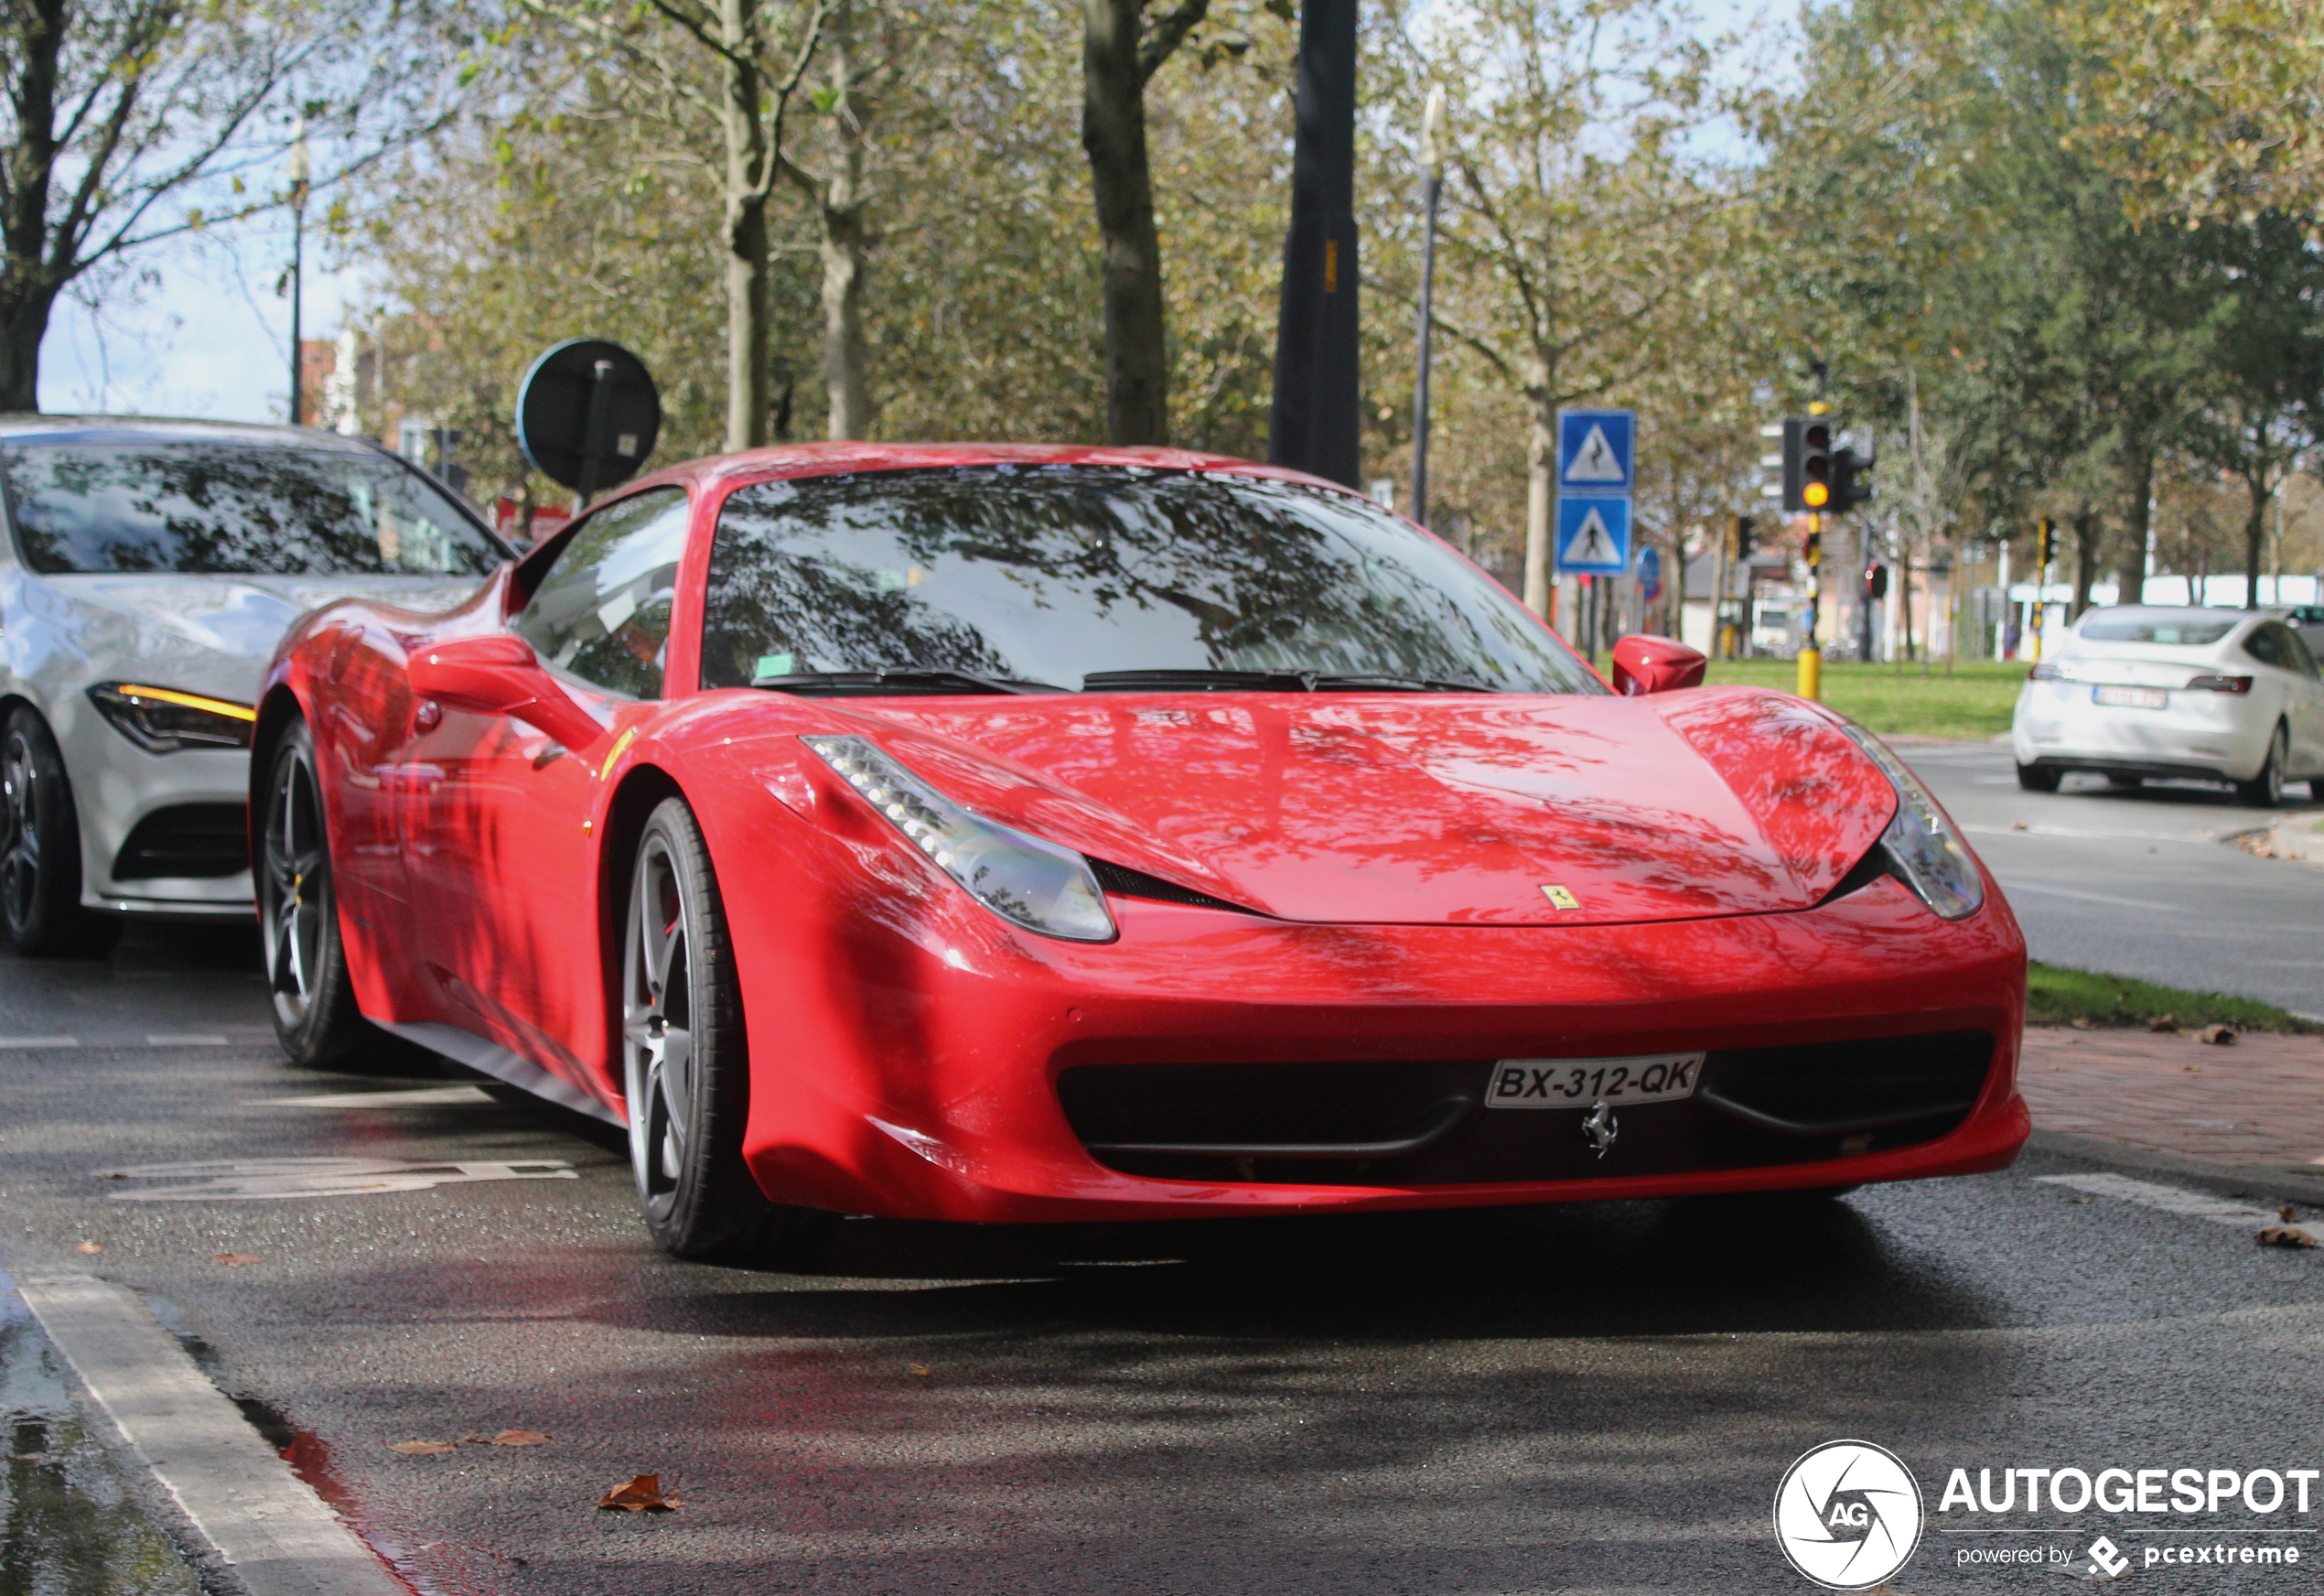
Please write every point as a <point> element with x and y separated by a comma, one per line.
<point>40,848</point>
<point>685,1062</point>
<point>2265,791</point>
<point>314,1002</point>
<point>2038,778</point>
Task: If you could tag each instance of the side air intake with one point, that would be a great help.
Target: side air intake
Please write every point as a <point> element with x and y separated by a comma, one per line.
<point>1125,883</point>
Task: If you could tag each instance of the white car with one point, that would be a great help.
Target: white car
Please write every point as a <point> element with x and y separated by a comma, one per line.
<point>2135,691</point>
<point>147,571</point>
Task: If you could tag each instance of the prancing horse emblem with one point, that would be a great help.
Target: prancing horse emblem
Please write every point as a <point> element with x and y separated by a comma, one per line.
<point>1599,1127</point>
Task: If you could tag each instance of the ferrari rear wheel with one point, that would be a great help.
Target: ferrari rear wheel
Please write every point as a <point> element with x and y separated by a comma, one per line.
<point>685,1064</point>
<point>315,1012</point>
<point>40,848</point>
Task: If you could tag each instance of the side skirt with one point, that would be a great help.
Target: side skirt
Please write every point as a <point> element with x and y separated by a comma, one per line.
<point>489,1057</point>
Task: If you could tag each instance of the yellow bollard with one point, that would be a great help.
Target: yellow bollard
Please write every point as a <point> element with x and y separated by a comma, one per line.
<point>1812,672</point>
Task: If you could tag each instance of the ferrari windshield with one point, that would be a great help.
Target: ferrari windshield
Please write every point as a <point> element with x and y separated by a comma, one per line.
<point>133,501</point>
<point>1057,574</point>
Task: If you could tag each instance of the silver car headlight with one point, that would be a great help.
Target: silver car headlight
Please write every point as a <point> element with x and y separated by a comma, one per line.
<point>1928,855</point>
<point>1027,881</point>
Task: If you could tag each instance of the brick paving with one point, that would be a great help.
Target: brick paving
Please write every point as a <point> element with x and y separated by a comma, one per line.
<point>2258,1101</point>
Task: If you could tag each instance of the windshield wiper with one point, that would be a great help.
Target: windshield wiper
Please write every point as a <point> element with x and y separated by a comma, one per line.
<point>1196,680</point>
<point>883,681</point>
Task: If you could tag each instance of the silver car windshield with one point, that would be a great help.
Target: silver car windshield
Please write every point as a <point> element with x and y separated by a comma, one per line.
<point>134,503</point>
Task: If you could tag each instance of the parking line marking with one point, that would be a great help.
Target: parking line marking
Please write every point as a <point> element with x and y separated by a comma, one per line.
<point>264,1521</point>
<point>2071,831</point>
<point>2091,897</point>
<point>420,1097</point>
<point>2170,1199</point>
<point>189,1039</point>
<point>38,1041</point>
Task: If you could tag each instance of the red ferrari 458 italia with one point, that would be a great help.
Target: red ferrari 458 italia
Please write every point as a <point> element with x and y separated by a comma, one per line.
<point>1014,834</point>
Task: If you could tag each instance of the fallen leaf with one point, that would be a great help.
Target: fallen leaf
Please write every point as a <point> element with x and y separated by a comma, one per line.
<point>2163,1022</point>
<point>2016,825</point>
<point>521,1438</point>
<point>235,1260</point>
<point>89,1246</point>
<point>2083,1023</point>
<point>2217,1035</point>
<point>916,1369</point>
<point>422,1448</point>
<point>2285,1235</point>
<point>2287,1213</point>
<point>639,1493</point>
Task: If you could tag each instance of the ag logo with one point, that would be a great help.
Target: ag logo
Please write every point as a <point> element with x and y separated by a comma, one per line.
<point>1848,1515</point>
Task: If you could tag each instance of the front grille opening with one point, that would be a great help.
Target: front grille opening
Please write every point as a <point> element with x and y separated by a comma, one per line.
<point>1851,1088</point>
<point>201,840</point>
<point>1125,883</point>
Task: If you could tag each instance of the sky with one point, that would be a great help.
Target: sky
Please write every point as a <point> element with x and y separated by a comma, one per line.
<point>207,334</point>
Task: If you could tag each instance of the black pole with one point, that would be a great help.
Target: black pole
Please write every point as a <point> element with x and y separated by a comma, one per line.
<point>298,264</point>
<point>1434,191</point>
<point>597,432</point>
<point>1318,421</point>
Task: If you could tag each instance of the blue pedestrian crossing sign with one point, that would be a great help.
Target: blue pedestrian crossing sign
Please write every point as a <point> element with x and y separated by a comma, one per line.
<point>1593,535</point>
<point>1650,573</point>
<point>1597,451</point>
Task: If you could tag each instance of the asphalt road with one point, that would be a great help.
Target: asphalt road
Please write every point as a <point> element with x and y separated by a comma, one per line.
<point>1597,1399</point>
<point>2139,882</point>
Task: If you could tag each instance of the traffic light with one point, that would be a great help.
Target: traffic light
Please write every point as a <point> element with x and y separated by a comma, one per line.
<point>1744,525</point>
<point>1876,581</point>
<point>1848,488</point>
<point>2045,546</point>
<point>1807,463</point>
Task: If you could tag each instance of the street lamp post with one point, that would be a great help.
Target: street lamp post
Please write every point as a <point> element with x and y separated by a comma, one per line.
<point>301,172</point>
<point>1432,164</point>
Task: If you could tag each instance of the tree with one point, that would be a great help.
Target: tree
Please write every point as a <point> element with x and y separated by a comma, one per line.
<point>128,123</point>
<point>1121,49</point>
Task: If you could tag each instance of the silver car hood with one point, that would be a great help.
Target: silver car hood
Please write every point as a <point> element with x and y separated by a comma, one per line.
<point>202,633</point>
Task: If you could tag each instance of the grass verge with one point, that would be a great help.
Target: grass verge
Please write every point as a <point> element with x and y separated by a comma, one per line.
<point>1974,701</point>
<point>2056,996</point>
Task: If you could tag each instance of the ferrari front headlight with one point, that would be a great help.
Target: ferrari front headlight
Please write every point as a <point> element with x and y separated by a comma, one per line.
<point>1029,882</point>
<point>162,720</point>
<point>1927,853</point>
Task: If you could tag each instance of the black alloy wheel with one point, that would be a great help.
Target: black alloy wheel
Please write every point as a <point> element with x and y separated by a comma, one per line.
<point>2038,778</point>
<point>315,1014</point>
<point>40,848</point>
<point>685,1064</point>
<point>2265,791</point>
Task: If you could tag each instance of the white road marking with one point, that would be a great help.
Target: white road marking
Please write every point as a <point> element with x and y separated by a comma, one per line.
<point>2170,1199</point>
<point>2091,897</point>
<point>264,1178</point>
<point>2203,837</point>
<point>419,1097</point>
<point>189,1039</point>
<point>264,1521</point>
<point>38,1041</point>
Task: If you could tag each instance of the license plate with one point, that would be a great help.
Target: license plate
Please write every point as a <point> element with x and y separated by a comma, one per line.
<point>2131,697</point>
<point>1579,1083</point>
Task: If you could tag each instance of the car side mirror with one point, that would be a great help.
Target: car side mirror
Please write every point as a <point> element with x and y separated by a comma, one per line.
<point>1656,665</point>
<point>500,675</point>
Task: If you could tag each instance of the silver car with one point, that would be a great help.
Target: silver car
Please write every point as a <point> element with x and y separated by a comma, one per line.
<point>149,570</point>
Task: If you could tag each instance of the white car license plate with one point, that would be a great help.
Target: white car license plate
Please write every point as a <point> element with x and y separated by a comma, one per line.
<point>1579,1083</point>
<point>2131,697</point>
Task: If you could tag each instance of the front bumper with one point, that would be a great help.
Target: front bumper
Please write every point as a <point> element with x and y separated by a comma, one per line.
<point>907,1062</point>
<point>139,811</point>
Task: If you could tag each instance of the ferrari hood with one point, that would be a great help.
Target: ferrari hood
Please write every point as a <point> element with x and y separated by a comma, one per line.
<point>1424,809</point>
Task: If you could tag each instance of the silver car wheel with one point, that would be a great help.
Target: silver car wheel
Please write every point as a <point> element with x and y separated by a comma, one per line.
<point>294,888</point>
<point>20,839</point>
<point>657,1025</point>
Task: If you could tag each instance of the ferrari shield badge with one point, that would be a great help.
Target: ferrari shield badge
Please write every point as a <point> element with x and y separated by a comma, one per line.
<point>1558,897</point>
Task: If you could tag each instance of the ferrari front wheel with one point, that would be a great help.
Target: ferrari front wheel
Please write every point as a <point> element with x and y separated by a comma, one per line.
<point>685,1064</point>
<point>315,1014</point>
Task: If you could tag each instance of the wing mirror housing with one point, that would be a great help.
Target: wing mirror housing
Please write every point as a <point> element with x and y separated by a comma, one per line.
<point>500,675</point>
<point>1644,664</point>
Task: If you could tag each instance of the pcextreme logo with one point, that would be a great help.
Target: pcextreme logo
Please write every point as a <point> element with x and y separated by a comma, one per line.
<point>1848,1515</point>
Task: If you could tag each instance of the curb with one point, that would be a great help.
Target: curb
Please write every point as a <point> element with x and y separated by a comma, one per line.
<point>2287,1185</point>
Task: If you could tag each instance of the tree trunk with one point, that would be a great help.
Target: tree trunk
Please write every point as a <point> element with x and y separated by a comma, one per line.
<point>29,280</point>
<point>846,358</point>
<point>1541,467</point>
<point>2255,534</point>
<point>745,220</point>
<point>1113,137</point>
<point>2088,530</point>
<point>2138,482</point>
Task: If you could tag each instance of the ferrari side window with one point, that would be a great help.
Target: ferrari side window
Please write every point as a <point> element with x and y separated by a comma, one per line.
<point>602,613</point>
